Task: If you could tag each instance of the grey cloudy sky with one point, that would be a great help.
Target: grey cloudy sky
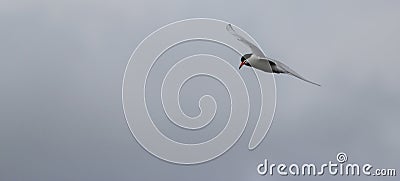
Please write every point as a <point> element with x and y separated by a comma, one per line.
<point>62,64</point>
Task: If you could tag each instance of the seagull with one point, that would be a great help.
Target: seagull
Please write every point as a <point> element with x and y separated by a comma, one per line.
<point>258,60</point>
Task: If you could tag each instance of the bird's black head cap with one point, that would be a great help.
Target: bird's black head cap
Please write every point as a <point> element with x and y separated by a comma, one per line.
<point>245,57</point>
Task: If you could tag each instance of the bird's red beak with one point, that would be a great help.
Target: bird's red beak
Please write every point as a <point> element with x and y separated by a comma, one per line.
<point>241,64</point>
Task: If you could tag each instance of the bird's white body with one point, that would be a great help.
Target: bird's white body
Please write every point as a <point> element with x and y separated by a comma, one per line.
<point>264,64</point>
<point>255,62</point>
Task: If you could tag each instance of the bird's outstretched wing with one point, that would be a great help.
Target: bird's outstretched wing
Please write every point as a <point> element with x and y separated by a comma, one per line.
<point>293,73</point>
<point>254,49</point>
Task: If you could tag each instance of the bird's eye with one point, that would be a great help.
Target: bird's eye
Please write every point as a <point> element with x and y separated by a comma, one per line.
<point>242,59</point>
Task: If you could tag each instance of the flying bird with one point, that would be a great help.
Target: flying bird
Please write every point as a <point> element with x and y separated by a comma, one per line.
<point>258,60</point>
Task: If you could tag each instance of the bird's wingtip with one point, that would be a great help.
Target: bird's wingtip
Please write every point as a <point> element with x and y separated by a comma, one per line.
<point>318,84</point>
<point>229,27</point>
